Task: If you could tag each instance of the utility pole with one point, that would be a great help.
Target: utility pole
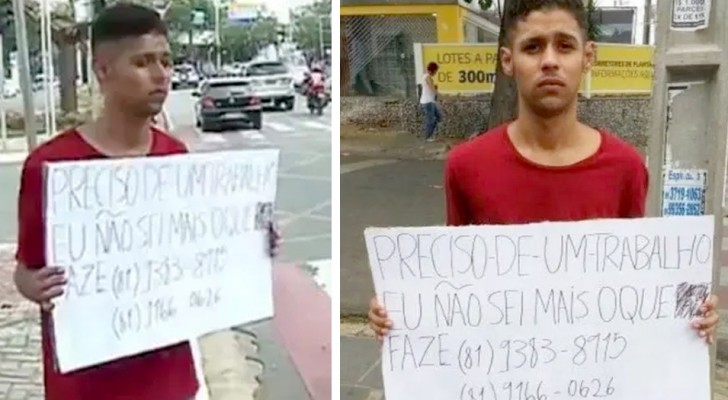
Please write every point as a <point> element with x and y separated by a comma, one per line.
<point>24,72</point>
<point>218,56</point>
<point>687,145</point>
<point>3,114</point>
<point>321,35</point>
<point>647,22</point>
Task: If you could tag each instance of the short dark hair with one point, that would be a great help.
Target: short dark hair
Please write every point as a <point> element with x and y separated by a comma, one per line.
<point>125,20</point>
<point>432,67</point>
<point>522,8</point>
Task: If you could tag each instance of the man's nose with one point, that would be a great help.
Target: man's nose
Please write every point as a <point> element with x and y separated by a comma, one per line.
<point>550,58</point>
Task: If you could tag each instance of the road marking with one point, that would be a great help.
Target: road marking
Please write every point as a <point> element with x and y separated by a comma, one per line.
<point>305,177</point>
<point>16,157</point>
<point>309,238</point>
<point>252,135</point>
<point>212,138</point>
<point>347,168</point>
<point>278,127</point>
<point>316,125</point>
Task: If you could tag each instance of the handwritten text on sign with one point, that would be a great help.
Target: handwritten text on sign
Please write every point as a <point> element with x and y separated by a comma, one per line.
<point>551,311</point>
<point>158,250</point>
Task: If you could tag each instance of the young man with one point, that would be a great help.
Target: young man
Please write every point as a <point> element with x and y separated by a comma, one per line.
<point>428,101</point>
<point>546,165</point>
<point>132,63</point>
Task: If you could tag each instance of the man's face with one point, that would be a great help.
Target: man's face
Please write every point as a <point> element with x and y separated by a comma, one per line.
<point>547,56</point>
<point>135,73</point>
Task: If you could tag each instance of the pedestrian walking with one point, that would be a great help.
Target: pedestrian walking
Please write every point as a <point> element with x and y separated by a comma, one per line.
<point>428,101</point>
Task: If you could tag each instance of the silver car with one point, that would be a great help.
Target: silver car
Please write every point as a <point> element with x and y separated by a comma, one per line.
<point>273,82</point>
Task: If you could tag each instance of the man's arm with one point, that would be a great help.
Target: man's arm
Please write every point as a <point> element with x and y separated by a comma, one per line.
<point>431,84</point>
<point>457,210</point>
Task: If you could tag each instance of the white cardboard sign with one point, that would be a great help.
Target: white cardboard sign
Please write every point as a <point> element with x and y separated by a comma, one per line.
<point>551,311</point>
<point>158,250</point>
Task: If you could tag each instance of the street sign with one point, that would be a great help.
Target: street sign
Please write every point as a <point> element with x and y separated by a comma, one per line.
<point>198,18</point>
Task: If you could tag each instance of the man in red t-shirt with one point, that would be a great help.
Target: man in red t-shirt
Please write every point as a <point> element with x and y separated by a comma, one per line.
<point>546,165</point>
<point>132,63</point>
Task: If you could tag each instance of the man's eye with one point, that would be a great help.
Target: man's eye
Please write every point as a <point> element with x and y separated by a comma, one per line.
<point>531,47</point>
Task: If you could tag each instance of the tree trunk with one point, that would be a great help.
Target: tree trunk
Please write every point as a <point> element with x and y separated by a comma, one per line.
<point>504,101</point>
<point>67,77</point>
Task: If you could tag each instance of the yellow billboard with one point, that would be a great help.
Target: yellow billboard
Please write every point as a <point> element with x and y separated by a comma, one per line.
<point>622,69</point>
<point>470,68</point>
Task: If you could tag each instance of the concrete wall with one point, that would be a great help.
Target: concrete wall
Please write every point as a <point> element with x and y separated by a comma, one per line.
<point>465,115</point>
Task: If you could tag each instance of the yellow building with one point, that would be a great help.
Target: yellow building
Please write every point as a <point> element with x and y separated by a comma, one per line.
<point>378,37</point>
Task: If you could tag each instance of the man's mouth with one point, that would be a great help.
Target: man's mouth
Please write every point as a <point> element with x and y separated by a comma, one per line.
<point>551,83</point>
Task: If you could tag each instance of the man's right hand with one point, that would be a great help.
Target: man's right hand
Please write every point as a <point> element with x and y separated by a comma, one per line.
<point>40,285</point>
<point>378,319</point>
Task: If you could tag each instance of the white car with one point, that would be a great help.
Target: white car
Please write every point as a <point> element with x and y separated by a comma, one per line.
<point>272,82</point>
<point>10,90</point>
<point>185,76</point>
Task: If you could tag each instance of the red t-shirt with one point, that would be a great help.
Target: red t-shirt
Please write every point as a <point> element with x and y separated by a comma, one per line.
<point>488,182</point>
<point>165,374</point>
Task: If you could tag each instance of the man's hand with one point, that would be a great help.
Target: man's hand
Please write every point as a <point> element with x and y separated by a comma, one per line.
<point>276,239</point>
<point>40,285</point>
<point>708,323</point>
<point>378,320</point>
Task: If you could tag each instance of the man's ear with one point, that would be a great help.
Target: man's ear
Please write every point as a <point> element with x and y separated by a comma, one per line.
<point>506,56</point>
<point>590,55</point>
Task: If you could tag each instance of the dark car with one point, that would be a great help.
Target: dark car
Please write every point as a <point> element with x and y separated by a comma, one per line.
<point>225,102</point>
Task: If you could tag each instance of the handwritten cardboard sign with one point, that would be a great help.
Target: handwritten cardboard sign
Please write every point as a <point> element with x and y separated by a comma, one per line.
<point>552,311</point>
<point>158,250</point>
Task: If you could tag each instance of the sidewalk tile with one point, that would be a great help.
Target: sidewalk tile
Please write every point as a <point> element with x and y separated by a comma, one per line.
<point>359,358</point>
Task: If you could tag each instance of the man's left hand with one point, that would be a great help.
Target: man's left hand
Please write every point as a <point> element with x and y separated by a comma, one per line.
<point>708,323</point>
<point>276,239</point>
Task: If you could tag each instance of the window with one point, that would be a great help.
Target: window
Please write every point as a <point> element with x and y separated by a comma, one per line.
<point>263,69</point>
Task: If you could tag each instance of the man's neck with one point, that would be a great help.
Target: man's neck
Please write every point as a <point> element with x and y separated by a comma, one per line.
<point>120,134</point>
<point>552,133</point>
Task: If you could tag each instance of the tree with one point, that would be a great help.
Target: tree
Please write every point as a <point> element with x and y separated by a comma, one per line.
<point>180,19</point>
<point>594,31</point>
<point>503,102</point>
<point>307,23</point>
<point>242,43</point>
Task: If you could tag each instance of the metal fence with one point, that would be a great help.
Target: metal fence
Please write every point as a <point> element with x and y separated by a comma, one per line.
<point>377,53</point>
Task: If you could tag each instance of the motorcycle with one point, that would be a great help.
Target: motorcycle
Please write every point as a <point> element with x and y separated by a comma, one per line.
<point>317,99</point>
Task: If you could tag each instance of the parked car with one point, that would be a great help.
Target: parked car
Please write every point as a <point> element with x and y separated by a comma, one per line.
<point>10,90</point>
<point>273,82</point>
<point>184,76</point>
<point>225,102</point>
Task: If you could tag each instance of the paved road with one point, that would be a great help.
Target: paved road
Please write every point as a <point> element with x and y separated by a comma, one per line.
<point>304,212</point>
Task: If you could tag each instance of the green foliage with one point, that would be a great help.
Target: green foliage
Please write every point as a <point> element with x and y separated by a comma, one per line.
<point>307,23</point>
<point>593,29</point>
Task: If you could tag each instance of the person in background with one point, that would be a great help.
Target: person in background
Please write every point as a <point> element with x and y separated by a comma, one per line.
<point>131,60</point>
<point>546,165</point>
<point>428,101</point>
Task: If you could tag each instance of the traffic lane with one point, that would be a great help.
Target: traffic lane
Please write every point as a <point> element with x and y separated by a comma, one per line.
<point>304,192</point>
<point>180,106</point>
